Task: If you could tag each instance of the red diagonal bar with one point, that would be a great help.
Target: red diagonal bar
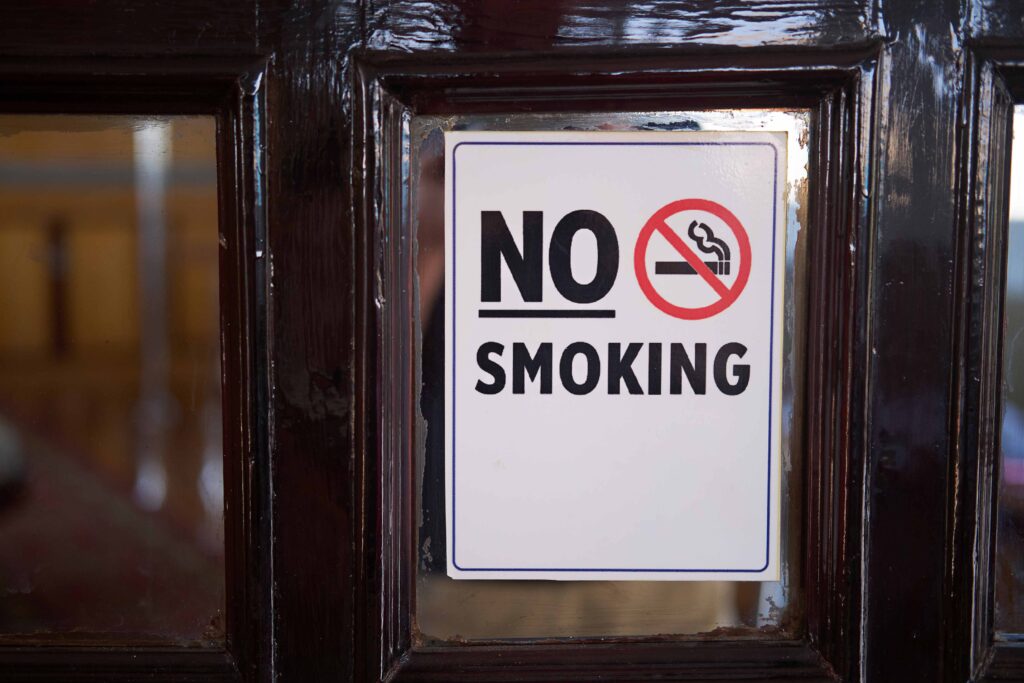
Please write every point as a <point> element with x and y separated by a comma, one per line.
<point>679,245</point>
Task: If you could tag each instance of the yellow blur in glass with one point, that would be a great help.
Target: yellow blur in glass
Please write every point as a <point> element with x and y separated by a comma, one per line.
<point>111,476</point>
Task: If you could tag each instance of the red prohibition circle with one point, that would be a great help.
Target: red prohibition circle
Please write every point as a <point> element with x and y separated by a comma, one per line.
<point>656,223</point>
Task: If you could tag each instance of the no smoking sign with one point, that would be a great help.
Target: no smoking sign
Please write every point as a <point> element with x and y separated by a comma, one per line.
<point>715,275</point>
<point>613,306</point>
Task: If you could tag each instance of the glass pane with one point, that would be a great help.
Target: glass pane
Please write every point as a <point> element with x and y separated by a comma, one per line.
<point>111,477</point>
<point>450,610</point>
<point>1009,613</point>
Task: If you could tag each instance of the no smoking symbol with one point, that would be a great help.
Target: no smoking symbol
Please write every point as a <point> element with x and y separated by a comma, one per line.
<point>692,262</point>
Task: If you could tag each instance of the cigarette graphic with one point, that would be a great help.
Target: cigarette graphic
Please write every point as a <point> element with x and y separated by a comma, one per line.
<point>706,242</point>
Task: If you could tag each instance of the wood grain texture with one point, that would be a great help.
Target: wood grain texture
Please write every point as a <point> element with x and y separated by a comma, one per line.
<point>318,336</point>
<point>908,440</point>
<point>226,88</point>
<point>995,81</point>
<point>241,155</point>
<point>707,661</point>
<point>310,99</point>
<point>996,22</point>
<point>544,25</point>
<point>96,664</point>
<point>1005,663</point>
<point>837,86</point>
<point>126,28</point>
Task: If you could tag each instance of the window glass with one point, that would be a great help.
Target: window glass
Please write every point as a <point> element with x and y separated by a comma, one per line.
<point>1009,589</point>
<point>111,477</point>
<point>450,610</point>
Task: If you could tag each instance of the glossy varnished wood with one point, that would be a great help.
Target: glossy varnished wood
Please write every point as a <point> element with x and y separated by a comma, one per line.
<point>229,90</point>
<point>420,26</point>
<point>908,441</point>
<point>902,348</point>
<point>318,336</point>
<point>837,87</point>
<point>110,663</point>
<point>995,82</point>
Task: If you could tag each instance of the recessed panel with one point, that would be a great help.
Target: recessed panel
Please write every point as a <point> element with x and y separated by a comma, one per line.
<point>1009,568</point>
<point>111,476</point>
<point>509,606</point>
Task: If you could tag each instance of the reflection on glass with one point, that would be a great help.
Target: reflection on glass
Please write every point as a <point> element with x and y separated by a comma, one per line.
<point>111,482</point>
<point>448,610</point>
<point>1009,589</point>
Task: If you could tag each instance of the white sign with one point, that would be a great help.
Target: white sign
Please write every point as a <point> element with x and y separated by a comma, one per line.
<point>613,364</point>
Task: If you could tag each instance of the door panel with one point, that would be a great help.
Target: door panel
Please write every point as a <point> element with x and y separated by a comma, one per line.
<point>454,611</point>
<point>396,90</point>
<point>314,102</point>
<point>909,386</point>
<point>111,459</point>
<point>223,89</point>
<point>985,645</point>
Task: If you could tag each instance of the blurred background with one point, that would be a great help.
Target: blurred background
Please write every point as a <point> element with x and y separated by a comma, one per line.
<point>1009,615</point>
<point>111,477</point>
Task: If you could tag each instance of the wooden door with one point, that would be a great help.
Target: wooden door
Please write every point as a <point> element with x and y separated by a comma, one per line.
<point>908,107</point>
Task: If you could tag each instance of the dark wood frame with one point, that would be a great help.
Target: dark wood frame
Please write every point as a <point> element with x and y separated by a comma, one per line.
<point>897,430</point>
<point>995,84</point>
<point>231,90</point>
<point>838,87</point>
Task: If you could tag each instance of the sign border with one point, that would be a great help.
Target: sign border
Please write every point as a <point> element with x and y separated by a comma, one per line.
<point>771,353</point>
